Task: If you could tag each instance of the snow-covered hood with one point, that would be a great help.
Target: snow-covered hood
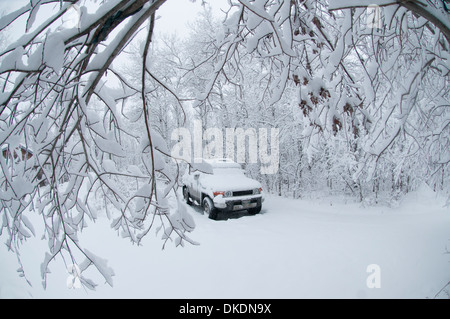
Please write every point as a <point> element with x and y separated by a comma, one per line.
<point>231,182</point>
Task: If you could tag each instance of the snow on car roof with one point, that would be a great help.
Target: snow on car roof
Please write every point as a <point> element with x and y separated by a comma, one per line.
<point>221,163</point>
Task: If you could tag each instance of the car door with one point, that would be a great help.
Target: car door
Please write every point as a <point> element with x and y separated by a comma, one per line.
<point>195,187</point>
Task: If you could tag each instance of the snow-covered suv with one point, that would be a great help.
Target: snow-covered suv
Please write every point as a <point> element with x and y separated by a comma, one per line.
<point>219,185</point>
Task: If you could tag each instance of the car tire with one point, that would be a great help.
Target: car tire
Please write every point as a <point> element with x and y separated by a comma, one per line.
<point>254,211</point>
<point>186,196</point>
<point>209,209</point>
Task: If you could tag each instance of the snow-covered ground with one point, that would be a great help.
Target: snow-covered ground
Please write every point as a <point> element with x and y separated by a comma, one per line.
<point>293,249</point>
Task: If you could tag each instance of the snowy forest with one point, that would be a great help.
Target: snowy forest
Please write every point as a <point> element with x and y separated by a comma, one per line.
<point>358,90</point>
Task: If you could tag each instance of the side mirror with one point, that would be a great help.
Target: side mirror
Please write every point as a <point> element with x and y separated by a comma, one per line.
<point>196,176</point>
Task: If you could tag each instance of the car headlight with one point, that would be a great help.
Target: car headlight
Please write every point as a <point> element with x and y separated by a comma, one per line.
<point>257,191</point>
<point>224,194</point>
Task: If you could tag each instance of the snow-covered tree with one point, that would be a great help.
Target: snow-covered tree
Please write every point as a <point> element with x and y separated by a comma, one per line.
<point>380,87</point>
<point>56,101</point>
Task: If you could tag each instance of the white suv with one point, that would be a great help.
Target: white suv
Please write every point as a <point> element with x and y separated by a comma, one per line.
<point>220,185</point>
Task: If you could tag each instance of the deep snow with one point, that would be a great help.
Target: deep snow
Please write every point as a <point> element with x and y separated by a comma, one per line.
<point>294,249</point>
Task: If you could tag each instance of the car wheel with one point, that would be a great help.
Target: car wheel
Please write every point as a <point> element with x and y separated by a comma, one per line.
<point>209,209</point>
<point>186,196</point>
<point>254,211</point>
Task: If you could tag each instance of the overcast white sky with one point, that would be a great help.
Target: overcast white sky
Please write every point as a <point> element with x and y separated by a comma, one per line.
<point>175,14</point>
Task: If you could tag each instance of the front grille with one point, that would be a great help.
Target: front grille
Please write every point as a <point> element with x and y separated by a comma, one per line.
<point>243,193</point>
